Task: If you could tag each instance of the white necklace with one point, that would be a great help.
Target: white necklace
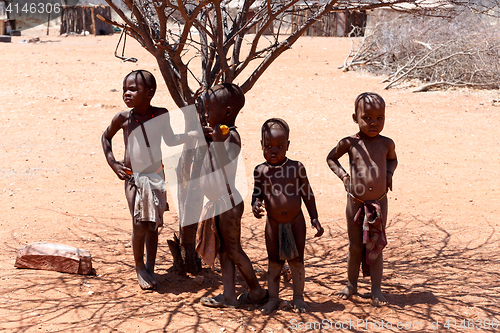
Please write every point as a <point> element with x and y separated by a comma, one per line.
<point>277,166</point>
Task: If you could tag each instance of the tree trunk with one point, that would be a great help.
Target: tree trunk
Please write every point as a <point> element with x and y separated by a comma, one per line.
<point>190,199</point>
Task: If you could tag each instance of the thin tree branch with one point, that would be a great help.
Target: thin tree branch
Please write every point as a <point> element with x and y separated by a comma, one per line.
<point>285,45</point>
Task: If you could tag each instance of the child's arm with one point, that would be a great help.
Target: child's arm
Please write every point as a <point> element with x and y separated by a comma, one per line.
<point>178,139</point>
<point>116,124</point>
<point>257,195</point>
<point>333,161</point>
<point>392,163</point>
<point>172,139</point>
<point>309,200</point>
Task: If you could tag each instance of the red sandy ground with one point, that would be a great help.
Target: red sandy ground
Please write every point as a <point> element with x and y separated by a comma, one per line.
<point>442,261</point>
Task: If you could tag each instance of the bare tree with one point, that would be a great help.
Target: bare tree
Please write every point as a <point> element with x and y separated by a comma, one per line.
<point>199,43</point>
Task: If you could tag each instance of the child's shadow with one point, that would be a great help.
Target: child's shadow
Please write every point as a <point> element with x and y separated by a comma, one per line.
<point>413,298</point>
<point>172,282</point>
<point>410,299</point>
<point>327,306</point>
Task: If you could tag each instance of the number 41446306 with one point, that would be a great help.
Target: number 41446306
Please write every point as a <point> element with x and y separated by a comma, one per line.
<point>471,324</point>
<point>34,8</point>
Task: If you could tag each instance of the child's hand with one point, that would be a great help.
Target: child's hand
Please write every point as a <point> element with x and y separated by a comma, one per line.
<point>195,134</point>
<point>207,131</point>
<point>346,180</point>
<point>315,223</point>
<point>389,181</point>
<point>258,209</point>
<point>121,170</point>
<point>218,136</point>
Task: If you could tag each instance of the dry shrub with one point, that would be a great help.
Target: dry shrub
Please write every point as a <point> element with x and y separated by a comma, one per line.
<point>435,52</point>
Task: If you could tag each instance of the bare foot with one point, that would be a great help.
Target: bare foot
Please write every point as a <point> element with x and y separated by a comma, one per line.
<point>346,292</point>
<point>218,301</point>
<point>145,280</point>
<point>299,305</point>
<point>379,298</point>
<point>153,281</point>
<point>270,306</point>
<point>260,296</point>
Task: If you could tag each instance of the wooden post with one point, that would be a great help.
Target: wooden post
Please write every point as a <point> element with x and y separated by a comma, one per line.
<point>48,24</point>
<point>93,21</point>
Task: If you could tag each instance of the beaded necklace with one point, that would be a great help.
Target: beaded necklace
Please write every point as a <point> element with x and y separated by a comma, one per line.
<point>277,166</point>
<point>361,135</point>
<point>132,113</point>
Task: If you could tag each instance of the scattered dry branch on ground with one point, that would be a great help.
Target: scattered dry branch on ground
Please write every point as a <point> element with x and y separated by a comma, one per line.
<point>463,52</point>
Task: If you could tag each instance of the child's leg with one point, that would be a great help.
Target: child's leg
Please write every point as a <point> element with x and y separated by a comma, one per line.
<point>377,268</point>
<point>232,254</point>
<point>139,232</point>
<point>228,275</point>
<point>355,234</point>
<point>274,266</point>
<point>151,249</point>
<point>142,235</point>
<point>297,264</point>
<point>152,237</point>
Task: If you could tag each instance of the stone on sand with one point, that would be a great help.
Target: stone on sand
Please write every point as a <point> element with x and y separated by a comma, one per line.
<point>54,257</point>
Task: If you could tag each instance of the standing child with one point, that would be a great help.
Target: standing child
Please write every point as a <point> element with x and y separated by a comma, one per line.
<point>142,169</point>
<point>280,186</point>
<point>372,158</point>
<point>220,230</point>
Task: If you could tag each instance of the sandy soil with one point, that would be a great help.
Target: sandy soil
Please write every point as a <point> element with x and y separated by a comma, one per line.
<point>442,261</point>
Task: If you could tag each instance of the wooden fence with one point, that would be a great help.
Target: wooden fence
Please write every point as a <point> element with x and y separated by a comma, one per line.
<point>335,24</point>
<point>78,19</point>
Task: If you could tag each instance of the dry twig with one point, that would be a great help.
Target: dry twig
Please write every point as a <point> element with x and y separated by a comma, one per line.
<point>463,52</point>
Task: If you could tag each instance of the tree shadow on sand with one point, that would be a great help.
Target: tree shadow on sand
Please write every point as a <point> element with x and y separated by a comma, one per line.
<point>433,271</point>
